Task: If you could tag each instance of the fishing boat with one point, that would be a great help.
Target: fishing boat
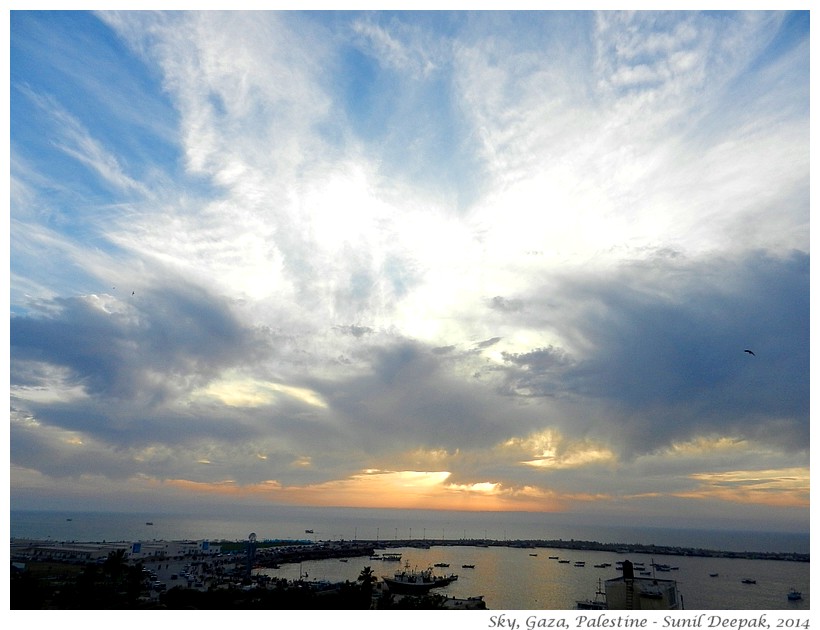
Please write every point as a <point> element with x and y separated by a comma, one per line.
<point>597,603</point>
<point>794,595</point>
<point>409,581</point>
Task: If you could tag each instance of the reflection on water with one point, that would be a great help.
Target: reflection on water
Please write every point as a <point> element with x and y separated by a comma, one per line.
<point>512,579</point>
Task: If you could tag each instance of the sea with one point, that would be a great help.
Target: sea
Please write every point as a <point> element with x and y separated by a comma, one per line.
<point>508,578</point>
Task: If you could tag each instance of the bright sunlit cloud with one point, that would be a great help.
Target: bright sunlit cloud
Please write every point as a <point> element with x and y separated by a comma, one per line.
<point>462,260</point>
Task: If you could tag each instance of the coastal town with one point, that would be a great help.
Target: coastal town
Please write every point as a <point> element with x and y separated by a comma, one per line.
<point>231,574</point>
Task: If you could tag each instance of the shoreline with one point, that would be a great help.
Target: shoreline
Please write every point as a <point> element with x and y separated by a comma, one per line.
<point>299,550</point>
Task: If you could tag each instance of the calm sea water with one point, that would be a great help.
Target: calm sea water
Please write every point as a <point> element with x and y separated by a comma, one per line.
<point>512,579</point>
<point>508,578</point>
<point>365,524</point>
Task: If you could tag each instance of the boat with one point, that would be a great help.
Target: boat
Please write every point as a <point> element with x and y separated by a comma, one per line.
<point>598,603</point>
<point>342,559</point>
<point>375,557</point>
<point>563,562</point>
<point>69,519</point>
<point>713,575</point>
<point>308,531</point>
<point>441,564</point>
<point>407,581</point>
<point>148,523</point>
<point>748,581</point>
<point>794,595</point>
<point>553,557</point>
<point>534,555</point>
<point>580,564</point>
<point>391,557</point>
<point>468,566</point>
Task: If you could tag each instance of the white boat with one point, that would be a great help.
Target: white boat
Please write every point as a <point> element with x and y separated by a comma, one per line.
<point>407,581</point>
<point>391,557</point>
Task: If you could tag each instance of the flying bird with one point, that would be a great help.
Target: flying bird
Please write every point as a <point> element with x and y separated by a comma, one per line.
<point>750,352</point>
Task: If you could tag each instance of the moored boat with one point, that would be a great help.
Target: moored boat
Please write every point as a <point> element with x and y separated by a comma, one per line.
<point>391,557</point>
<point>598,603</point>
<point>407,581</point>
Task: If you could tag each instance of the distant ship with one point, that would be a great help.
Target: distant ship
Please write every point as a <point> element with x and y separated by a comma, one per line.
<point>148,523</point>
<point>69,519</point>
<point>308,531</point>
<point>794,595</point>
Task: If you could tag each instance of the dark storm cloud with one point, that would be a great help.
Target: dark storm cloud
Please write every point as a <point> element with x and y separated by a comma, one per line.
<point>158,342</point>
<point>411,398</point>
<point>663,348</point>
<point>539,372</point>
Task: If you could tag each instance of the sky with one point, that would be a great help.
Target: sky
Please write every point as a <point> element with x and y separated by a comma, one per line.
<point>485,261</point>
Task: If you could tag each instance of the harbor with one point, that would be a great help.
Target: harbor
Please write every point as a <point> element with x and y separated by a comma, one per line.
<point>498,575</point>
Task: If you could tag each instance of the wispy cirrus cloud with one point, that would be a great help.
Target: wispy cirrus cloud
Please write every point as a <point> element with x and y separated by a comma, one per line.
<point>515,255</point>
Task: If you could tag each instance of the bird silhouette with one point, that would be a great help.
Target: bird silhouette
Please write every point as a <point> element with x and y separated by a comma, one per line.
<point>750,352</point>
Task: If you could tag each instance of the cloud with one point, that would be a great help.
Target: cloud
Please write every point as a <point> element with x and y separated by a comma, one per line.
<point>497,262</point>
<point>171,336</point>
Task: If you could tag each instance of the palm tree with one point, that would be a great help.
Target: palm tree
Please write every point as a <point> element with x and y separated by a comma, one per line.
<point>367,578</point>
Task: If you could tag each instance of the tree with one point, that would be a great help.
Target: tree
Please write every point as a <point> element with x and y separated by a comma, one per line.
<point>367,578</point>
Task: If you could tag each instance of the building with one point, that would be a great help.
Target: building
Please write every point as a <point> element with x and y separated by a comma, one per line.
<point>628,592</point>
<point>84,552</point>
